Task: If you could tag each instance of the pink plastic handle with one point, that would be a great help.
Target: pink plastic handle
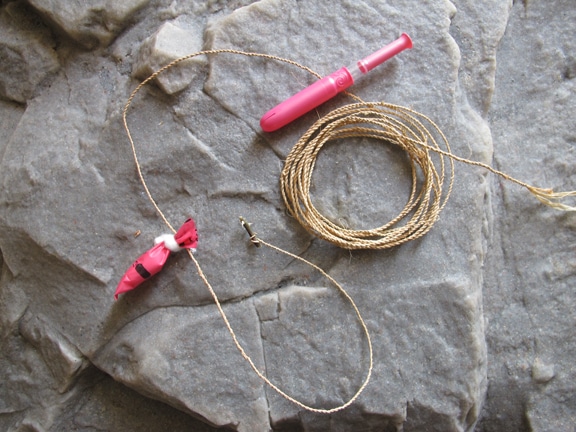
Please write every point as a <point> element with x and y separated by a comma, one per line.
<point>306,100</point>
<point>328,87</point>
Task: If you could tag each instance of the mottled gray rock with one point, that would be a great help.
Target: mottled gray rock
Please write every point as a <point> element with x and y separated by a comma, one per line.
<point>27,53</point>
<point>542,372</point>
<point>192,376</point>
<point>529,291</point>
<point>73,217</point>
<point>107,405</point>
<point>10,115</point>
<point>91,24</point>
<point>167,44</point>
<point>478,28</point>
<point>63,358</point>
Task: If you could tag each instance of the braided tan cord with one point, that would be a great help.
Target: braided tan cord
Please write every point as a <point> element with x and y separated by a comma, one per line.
<point>254,240</point>
<point>391,124</point>
<point>261,374</point>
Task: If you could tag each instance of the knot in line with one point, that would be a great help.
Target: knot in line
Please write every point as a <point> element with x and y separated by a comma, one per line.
<point>432,179</point>
<point>169,241</point>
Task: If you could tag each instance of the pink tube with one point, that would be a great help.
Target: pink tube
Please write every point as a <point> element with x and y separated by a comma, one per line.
<point>306,100</point>
<point>385,53</point>
<point>328,87</point>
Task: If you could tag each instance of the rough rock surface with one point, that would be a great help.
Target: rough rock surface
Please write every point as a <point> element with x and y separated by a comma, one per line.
<point>530,301</point>
<point>167,44</point>
<point>473,325</point>
<point>27,53</point>
<point>91,24</point>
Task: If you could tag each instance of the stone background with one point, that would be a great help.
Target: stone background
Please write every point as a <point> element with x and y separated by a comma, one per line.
<point>474,325</point>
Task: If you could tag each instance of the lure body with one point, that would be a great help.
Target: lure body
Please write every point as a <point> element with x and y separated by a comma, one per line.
<point>154,259</point>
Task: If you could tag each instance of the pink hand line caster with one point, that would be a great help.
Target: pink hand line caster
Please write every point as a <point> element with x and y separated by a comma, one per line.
<point>329,86</point>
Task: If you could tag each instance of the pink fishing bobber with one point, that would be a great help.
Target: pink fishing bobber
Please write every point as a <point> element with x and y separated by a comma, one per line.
<point>329,86</point>
<point>153,260</point>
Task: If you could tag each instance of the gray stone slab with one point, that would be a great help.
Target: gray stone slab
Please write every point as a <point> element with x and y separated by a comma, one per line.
<point>27,54</point>
<point>90,24</point>
<point>529,300</point>
<point>472,321</point>
<point>167,44</point>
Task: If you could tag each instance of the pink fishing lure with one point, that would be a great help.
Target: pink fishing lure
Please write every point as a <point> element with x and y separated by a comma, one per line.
<point>153,260</point>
